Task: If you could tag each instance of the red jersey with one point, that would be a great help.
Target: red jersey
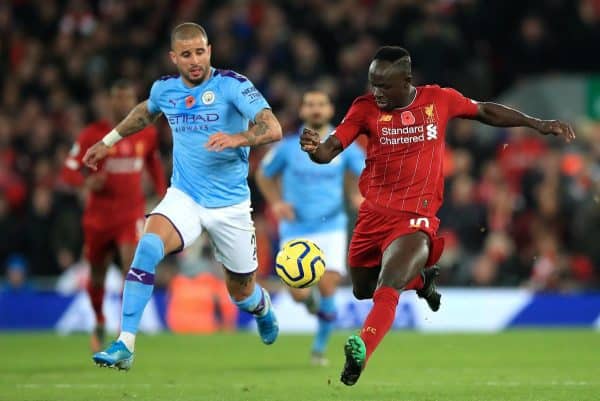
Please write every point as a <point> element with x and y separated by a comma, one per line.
<point>405,148</point>
<point>122,197</point>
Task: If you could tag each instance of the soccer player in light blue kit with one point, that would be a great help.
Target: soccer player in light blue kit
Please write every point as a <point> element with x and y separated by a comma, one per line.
<point>209,112</point>
<point>309,203</point>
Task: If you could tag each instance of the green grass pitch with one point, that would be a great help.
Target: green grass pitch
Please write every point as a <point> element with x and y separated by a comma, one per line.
<point>516,365</point>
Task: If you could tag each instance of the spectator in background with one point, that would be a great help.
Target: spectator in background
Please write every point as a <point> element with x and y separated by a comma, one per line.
<point>57,56</point>
<point>16,275</point>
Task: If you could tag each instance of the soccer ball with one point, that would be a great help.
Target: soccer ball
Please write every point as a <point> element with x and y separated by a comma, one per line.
<point>300,263</point>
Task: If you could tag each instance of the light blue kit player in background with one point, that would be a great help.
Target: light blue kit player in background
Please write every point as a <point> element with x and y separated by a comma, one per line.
<point>309,203</point>
<point>209,112</point>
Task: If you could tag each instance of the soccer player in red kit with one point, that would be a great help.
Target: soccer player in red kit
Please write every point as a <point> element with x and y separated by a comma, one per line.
<point>395,234</point>
<point>114,212</point>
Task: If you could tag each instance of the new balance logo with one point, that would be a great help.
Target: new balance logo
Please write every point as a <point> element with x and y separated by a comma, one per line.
<point>420,222</point>
<point>431,132</point>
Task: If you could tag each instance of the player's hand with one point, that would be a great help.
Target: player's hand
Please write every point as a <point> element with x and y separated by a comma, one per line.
<point>220,141</point>
<point>95,154</point>
<point>309,140</point>
<point>95,182</point>
<point>556,128</point>
<point>283,211</point>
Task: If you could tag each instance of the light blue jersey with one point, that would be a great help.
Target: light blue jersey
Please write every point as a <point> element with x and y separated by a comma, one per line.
<point>316,191</point>
<point>226,102</point>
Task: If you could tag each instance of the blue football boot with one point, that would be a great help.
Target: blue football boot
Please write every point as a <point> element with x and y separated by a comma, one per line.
<point>268,328</point>
<point>115,356</point>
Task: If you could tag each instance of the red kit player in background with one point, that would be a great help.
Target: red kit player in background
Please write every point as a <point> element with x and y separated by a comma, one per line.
<point>114,212</point>
<point>395,234</point>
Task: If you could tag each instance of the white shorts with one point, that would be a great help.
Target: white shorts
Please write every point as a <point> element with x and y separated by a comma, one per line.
<point>230,228</point>
<point>334,245</point>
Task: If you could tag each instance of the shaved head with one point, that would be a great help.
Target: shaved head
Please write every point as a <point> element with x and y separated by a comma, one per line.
<point>187,31</point>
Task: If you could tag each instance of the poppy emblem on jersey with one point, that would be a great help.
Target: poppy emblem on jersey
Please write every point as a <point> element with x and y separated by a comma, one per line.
<point>208,97</point>
<point>408,118</point>
<point>386,118</point>
<point>190,101</point>
<point>429,111</point>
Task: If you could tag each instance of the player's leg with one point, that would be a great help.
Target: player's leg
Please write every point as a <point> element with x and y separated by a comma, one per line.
<point>98,254</point>
<point>333,243</point>
<point>326,315</point>
<point>232,232</point>
<point>170,227</point>
<point>402,261</point>
<point>364,281</point>
<point>127,240</point>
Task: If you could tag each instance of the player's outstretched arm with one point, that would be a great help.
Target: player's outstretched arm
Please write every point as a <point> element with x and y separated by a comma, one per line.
<point>320,152</point>
<point>136,120</point>
<point>499,115</point>
<point>266,129</point>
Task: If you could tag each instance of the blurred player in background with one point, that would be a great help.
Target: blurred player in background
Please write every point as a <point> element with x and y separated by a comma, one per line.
<point>395,234</point>
<point>308,201</point>
<point>113,219</point>
<point>209,112</point>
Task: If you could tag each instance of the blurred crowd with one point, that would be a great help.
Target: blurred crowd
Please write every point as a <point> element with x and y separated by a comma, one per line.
<point>520,209</point>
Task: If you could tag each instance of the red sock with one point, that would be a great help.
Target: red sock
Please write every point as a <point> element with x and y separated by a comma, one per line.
<point>96,294</point>
<point>416,283</point>
<point>380,319</point>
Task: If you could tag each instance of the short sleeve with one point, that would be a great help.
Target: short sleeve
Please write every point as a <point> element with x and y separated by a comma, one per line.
<point>274,161</point>
<point>84,141</point>
<point>354,159</point>
<point>353,123</point>
<point>153,103</point>
<point>246,98</point>
<point>459,105</point>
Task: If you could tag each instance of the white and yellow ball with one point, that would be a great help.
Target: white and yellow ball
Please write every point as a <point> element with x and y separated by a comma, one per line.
<point>300,263</point>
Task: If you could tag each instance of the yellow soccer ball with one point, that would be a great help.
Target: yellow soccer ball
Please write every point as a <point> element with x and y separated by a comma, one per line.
<point>300,263</point>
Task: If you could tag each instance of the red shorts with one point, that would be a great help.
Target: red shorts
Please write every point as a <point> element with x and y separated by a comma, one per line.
<point>98,243</point>
<point>374,232</point>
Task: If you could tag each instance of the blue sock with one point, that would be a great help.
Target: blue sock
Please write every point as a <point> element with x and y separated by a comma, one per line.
<point>255,303</point>
<point>326,314</point>
<point>139,282</point>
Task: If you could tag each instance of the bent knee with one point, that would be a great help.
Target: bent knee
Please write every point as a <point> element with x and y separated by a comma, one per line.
<point>362,292</point>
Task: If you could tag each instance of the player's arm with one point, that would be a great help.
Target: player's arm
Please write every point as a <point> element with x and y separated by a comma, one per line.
<point>268,180</point>
<point>157,172</point>
<point>352,192</point>
<point>271,189</point>
<point>349,129</point>
<point>74,173</point>
<point>320,152</point>
<point>499,115</point>
<point>139,117</point>
<point>266,129</point>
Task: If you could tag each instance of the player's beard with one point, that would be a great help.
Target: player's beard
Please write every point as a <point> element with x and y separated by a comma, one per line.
<point>317,123</point>
<point>198,79</point>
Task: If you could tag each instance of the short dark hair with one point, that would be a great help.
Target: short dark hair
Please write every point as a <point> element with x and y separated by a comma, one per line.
<point>187,30</point>
<point>122,84</point>
<point>316,90</point>
<point>391,53</point>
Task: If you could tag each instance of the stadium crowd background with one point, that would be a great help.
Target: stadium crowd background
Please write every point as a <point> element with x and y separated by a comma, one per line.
<point>521,210</point>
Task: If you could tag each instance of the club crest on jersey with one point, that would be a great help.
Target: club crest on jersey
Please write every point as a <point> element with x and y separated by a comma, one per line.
<point>190,101</point>
<point>139,148</point>
<point>386,118</point>
<point>430,115</point>
<point>208,97</point>
<point>407,117</point>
